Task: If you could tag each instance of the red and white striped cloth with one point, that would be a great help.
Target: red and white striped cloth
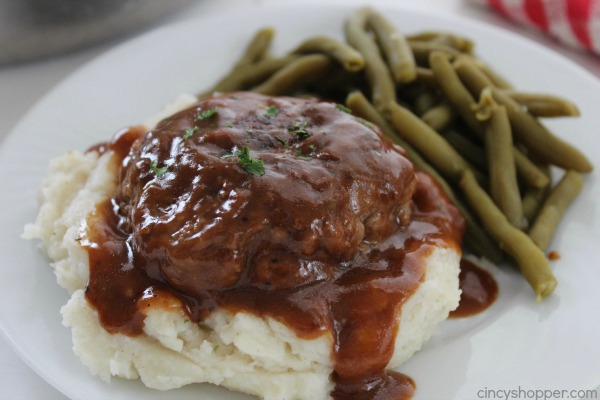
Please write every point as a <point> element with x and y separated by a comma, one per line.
<point>574,22</point>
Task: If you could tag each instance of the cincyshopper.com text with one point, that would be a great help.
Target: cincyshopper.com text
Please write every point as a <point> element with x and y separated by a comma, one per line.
<point>535,394</point>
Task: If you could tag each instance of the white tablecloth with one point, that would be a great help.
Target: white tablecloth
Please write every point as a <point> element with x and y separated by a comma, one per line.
<point>23,84</point>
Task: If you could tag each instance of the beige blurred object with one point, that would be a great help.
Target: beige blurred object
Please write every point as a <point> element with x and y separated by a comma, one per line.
<point>32,29</point>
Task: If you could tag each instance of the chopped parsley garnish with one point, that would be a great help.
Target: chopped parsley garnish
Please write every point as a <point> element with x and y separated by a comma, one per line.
<point>249,164</point>
<point>343,108</point>
<point>301,156</point>
<point>158,171</point>
<point>207,114</point>
<point>281,140</point>
<point>189,132</point>
<point>299,130</point>
<point>229,125</point>
<point>272,111</point>
<point>312,148</point>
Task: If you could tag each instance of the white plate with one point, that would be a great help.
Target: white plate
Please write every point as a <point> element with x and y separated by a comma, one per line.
<point>516,345</point>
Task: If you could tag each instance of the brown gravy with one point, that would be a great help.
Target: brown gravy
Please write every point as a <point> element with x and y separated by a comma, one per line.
<point>330,239</point>
<point>479,290</point>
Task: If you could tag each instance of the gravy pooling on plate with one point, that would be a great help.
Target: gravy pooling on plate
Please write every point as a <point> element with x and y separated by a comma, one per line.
<point>479,290</point>
<point>283,207</point>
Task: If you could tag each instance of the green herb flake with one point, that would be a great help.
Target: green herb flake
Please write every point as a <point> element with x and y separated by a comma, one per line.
<point>158,171</point>
<point>249,164</point>
<point>249,130</point>
<point>301,156</point>
<point>343,108</point>
<point>229,125</point>
<point>215,347</point>
<point>185,321</point>
<point>281,140</point>
<point>271,112</point>
<point>189,132</point>
<point>299,130</point>
<point>207,114</point>
<point>312,148</point>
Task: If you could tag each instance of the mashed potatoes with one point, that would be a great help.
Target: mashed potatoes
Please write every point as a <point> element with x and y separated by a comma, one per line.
<point>239,350</point>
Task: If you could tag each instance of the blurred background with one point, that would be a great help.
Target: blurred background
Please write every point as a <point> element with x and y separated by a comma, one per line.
<point>30,29</point>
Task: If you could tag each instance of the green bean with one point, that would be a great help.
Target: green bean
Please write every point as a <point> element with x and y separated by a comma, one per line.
<point>504,188</point>
<point>477,240</point>
<point>251,75</point>
<point>532,201</point>
<point>350,59</point>
<point>454,90</point>
<point>431,144</point>
<point>305,69</point>
<point>471,151</point>
<point>256,49</point>
<point>457,94</point>
<point>439,117</point>
<point>476,81</point>
<point>475,236</point>
<point>528,172</point>
<point>472,76</point>
<point>534,197</point>
<point>531,132</point>
<point>382,85</point>
<point>460,43</point>
<point>531,260</point>
<point>544,105</point>
<point>552,210</point>
<point>422,50</point>
<point>394,46</point>
<point>540,140</point>
<point>424,101</point>
<point>541,105</point>
<point>425,76</point>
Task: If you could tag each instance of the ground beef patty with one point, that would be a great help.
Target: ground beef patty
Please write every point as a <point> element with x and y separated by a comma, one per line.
<point>330,185</point>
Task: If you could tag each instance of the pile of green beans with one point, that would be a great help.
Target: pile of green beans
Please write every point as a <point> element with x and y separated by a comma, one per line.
<point>481,139</point>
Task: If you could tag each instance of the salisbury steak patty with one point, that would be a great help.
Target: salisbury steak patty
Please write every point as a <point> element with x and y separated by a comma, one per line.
<point>206,214</point>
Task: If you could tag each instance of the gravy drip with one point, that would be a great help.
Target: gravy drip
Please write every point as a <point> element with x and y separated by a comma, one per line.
<point>479,290</point>
<point>330,240</point>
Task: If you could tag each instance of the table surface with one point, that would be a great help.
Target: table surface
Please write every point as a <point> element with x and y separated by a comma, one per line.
<point>21,85</point>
